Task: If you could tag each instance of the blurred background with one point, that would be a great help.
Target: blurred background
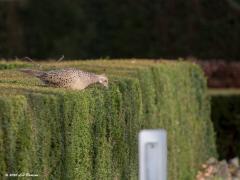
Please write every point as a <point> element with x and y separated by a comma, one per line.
<point>86,29</point>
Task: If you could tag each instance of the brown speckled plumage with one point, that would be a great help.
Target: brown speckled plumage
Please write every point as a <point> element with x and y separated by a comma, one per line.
<point>68,78</point>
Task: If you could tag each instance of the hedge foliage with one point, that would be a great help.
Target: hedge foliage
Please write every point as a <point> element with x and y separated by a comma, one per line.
<point>226,119</point>
<point>92,134</point>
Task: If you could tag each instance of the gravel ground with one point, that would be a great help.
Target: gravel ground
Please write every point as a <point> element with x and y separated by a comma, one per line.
<point>214,169</point>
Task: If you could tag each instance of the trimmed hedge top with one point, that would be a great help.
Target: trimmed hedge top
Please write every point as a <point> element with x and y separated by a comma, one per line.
<point>92,134</point>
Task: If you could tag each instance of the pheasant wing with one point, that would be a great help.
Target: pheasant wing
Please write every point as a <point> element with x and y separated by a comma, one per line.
<point>61,78</point>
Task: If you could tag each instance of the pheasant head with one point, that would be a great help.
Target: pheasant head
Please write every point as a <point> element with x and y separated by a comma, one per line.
<point>102,79</point>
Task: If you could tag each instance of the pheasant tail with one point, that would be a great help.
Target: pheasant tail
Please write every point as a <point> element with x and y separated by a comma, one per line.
<point>35,73</point>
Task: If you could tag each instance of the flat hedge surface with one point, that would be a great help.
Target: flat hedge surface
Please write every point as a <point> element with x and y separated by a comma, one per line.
<point>226,119</point>
<point>92,134</point>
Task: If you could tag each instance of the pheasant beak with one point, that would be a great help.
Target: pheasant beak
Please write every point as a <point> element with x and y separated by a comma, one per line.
<point>104,81</point>
<point>105,85</point>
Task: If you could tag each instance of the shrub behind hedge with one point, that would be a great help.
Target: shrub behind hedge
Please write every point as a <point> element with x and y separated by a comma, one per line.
<point>226,119</point>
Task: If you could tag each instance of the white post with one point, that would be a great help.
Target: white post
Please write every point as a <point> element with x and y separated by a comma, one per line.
<point>153,155</point>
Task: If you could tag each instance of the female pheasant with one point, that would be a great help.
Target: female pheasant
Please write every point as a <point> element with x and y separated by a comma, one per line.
<point>68,78</point>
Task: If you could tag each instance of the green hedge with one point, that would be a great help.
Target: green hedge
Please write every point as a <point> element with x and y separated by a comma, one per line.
<point>92,134</point>
<point>226,119</point>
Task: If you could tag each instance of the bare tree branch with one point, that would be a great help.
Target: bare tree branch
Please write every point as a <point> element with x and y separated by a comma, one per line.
<point>38,65</point>
<point>61,58</point>
<point>29,59</point>
<point>33,62</point>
